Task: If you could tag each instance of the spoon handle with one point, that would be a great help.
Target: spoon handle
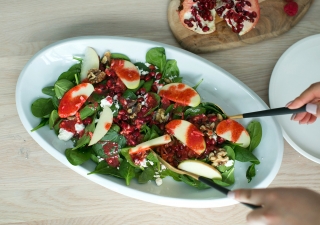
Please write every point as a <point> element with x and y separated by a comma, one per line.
<point>223,190</point>
<point>270,112</point>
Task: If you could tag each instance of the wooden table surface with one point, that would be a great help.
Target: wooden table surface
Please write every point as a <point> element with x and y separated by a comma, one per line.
<point>35,188</point>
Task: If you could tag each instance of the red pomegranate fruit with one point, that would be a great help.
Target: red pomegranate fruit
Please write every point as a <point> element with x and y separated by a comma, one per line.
<point>200,15</point>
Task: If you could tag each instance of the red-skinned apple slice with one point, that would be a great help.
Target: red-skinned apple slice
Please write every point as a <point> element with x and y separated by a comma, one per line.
<point>73,99</point>
<point>103,125</point>
<point>127,72</point>
<point>90,61</point>
<point>188,134</point>
<point>164,139</point>
<point>200,168</point>
<point>233,131</point>
<point>180,93</point>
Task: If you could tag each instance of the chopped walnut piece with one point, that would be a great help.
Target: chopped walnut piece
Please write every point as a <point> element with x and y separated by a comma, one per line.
<point>160,116</point>
<point>95,76</point>
<point>219,158</point>
<point>106,58</point>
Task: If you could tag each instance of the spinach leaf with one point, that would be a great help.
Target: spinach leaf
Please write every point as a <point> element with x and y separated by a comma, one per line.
<point>146,175</point>
<point>72,72</point>
<point>227,178</point>
<point>244,155</point>
<point>197,85</point>
<point>53,118</point>
<point>87,111</point>
<point>127,171</point>
<point>157,56</point>
<point>128,94</point>
<point>192,182</point>
<point>251,172</point>
<point>43,122</point>
<point>85,139</point>
<point>149,133</point>
<point>42,107</point>
<point>78,156</point>
<point>170,173</point>
<point>148,85</point>
<point>255,131</point>
<point>48,91</point>
<point>125,152</point>
<point>104,168</point>
<point>55,102</point>
<point>230,152</point>
<point>61,87</point>
<point>119,56</point>
<point>171,70</point>
<point>193,111</point>
<point>113,136</point>
<point>142,66</point>
<point>213,108</point>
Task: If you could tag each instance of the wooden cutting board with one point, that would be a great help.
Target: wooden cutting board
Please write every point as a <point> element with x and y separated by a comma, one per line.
<point>273,22</point>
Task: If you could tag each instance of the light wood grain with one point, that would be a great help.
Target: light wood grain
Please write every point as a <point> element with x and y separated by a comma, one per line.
<point>272,23</point>
<point>39,189</point>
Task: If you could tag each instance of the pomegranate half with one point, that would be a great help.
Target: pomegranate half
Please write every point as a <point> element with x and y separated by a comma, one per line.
<point>200,15</point>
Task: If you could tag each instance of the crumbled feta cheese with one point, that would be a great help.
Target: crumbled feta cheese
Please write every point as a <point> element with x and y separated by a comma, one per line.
<point>64,135</point>
<point>79,127</point>
<point>147,64</point>
<point>158,181</point>
<point>151,163</point>
<point>229,163</point>
<point>108,101</point>
<point>144,72</point>
<point>143,163</point>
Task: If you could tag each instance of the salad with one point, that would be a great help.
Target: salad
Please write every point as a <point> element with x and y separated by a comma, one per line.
<point>115,110</point>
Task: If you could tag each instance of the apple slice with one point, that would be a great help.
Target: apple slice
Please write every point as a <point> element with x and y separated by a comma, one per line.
<point>200,168</point>
<point>127,72</point>
<point>151,143</point>
<point>103,125</point>
<point>188,134</point>
<point>180,93</point>
<point>73,99</point>
<point>90,61</point>
<point>233,131</point>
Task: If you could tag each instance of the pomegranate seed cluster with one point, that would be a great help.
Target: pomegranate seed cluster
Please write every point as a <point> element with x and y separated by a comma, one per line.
<point>199,15</point>
<point>235,14</point>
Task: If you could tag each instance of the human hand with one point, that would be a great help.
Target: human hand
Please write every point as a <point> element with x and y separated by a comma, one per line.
<point>281,206</point>
<point>310,95</point>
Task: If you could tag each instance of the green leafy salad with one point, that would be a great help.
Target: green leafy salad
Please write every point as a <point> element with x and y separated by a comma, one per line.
<point>115,110</point>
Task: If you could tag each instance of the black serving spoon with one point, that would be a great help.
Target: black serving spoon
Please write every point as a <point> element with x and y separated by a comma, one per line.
<point>272,112</point>
<point>202,179</point>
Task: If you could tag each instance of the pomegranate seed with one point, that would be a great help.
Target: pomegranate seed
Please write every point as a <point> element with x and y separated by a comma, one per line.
<point>142,91</point>
<point>122,112</point>
<point>140,99</point>
<point>158,76</point>
<point>147,77</point>
<point>248,3</point>
<point>205,29</point>
<point>87,121</point>
<point>152,67</point>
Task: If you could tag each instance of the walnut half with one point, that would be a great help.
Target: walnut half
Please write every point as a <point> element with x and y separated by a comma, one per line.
<point>95,76</point>
<point>219,158</point>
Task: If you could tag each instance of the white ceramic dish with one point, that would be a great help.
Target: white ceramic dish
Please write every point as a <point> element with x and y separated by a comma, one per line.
<point>219,86</point>
<point>295,71</point>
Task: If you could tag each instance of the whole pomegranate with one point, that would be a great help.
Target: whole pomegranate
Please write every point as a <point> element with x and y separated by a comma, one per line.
<point>200,15</point>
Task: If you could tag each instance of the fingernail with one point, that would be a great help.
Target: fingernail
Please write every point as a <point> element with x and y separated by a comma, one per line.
<point>231,195</point>
<point>311,108</point>
<point>293,116</point>
<point>289,103</point>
